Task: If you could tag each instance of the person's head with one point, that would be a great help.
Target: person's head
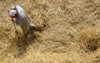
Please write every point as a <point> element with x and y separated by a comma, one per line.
<point>13,13</point>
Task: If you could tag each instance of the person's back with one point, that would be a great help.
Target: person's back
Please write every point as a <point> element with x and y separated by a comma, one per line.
<point>21,15</point>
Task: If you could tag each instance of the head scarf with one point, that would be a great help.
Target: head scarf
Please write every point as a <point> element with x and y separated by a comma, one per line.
<point>12,13</point>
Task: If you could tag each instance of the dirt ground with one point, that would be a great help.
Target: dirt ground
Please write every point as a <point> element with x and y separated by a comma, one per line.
<point>71,32</point>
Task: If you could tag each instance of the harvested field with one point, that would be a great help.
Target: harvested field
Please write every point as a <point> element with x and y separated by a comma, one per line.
<point>71,32</point>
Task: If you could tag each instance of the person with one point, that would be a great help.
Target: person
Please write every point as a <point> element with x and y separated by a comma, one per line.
<point>21,19</point>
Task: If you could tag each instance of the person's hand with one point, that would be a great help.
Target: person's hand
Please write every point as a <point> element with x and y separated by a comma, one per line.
<point>12,20</point>
<point>9,11</point>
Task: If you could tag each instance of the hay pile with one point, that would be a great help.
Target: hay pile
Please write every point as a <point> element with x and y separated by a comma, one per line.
<point>71,32</point>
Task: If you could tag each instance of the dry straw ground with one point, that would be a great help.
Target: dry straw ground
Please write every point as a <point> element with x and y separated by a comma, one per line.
<point>71,32</point>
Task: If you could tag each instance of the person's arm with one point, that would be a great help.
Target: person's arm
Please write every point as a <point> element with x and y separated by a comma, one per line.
<point>16,22</point>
